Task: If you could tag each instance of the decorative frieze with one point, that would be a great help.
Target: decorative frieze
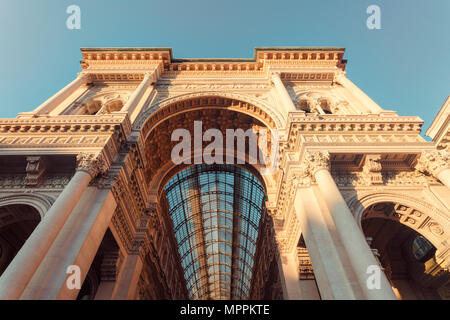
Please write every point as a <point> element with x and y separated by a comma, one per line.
<point>359,138</point>
<point>49,182</point>
<point>433,162</point>
<point>389,178</point>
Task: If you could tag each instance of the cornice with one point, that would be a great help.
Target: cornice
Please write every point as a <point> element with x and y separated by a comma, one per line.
<point>45,119</point>
<point>263,57</point>
<point>353,123</point>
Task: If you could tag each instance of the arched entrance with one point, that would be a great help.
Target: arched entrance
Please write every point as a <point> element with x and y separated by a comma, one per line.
<point>17,222</point>
<point>407,256</point>
<point>216,210</point>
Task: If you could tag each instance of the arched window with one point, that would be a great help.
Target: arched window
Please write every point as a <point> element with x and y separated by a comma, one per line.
<point>91,108</point>
<point>422,248</point>
<point>325,104</point>
<point>304,105</point>
<point>113,106</point>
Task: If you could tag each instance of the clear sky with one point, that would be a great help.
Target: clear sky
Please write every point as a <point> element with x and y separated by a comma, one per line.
<point>405,66</point>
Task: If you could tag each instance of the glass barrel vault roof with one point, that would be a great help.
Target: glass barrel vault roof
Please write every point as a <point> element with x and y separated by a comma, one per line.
<point>216,211</point>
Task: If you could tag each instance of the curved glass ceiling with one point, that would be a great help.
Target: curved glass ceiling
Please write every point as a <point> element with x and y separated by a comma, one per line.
<point>216,211</point>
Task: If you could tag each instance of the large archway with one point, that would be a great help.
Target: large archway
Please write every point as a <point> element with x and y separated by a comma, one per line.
<point>408,257</point>
<point>215,209</point>
<point>159,143</point>
<point>17,222</point>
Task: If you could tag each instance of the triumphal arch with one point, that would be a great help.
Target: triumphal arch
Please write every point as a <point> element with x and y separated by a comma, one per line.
<point>352,203</point>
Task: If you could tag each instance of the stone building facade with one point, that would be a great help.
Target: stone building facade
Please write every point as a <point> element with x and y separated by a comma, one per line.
<point>86,182</point>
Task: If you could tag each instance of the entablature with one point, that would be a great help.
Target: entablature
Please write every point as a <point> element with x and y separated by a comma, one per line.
<point>65,135</point>
<point>296,64</point>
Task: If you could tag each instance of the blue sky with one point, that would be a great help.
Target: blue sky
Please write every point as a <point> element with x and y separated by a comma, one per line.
<point>405,66</point>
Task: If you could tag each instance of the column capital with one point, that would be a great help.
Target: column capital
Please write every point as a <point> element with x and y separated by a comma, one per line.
<point>433,162</point>
<point>275,74</point>
<point>149,75</point>
<point>83,75</point>
<point>317,160</point>
<point>340,76</point>
<point>152,74</point>
<point>91,163</point>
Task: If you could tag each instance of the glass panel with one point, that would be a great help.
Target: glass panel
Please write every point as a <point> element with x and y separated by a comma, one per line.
<point>216,210</point>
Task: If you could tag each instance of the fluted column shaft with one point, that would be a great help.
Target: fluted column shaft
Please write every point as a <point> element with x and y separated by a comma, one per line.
<point>291,286</point>
<point>133,101</point>
<point>19,272</point>
<point>129,276</point>
<point>288,104</point>
<point>353,240</point>
<point>361,95</point>
<point>329,271</point>
<point>61,95</point>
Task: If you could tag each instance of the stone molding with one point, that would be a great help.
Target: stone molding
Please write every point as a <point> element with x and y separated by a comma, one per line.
<point>184,101</point>
<point>433,162</point>
<point>38,201</point>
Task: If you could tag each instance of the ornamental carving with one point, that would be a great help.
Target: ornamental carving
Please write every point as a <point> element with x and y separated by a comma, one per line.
<point>184,102</point>
<point>433,162</point>
<point>35,171</point>
<point>372,168</point>
<point>420,221</point>
<point>19,181</point>
<point>91,163</point>
<point>389,178</point>
<point>317,160</point>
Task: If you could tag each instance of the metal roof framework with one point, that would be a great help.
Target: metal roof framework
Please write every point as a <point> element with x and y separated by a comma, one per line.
<point>216,210</point>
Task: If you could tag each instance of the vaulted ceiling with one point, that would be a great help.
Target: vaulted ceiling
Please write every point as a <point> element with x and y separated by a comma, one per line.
<point>216,212</point>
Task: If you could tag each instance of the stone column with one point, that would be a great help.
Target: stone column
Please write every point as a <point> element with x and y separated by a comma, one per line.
<point>436,163</point>
<point>291,286</point>
<point>133,101</point>
<point>288,104</point>
<point>360,256</point>
<point>315,106</point>
<point>64,93</point>
<point>20,271</point>
<point>331,277</point>
<point>129,278</point>
<point>76,244</point>
<point>342,79</point>
<point>132,267</point>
